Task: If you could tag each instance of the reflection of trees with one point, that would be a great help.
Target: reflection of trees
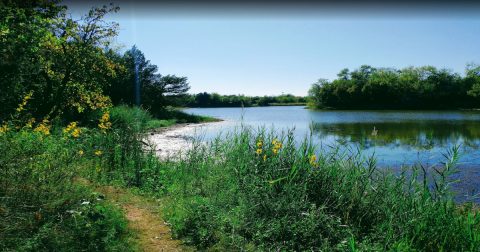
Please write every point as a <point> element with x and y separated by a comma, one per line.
<point>419,135</point>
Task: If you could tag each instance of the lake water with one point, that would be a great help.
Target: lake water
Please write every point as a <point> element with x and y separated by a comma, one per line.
<point>402,136</point>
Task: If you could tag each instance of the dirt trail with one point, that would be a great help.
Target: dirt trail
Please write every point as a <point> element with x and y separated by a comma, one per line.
<point>151,231</point>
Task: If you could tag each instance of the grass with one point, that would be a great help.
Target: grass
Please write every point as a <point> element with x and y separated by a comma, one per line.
<point>248,190</point>
<point>230,196</point>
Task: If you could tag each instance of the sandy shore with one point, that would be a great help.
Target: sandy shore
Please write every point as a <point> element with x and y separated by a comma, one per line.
<point>168,141</point>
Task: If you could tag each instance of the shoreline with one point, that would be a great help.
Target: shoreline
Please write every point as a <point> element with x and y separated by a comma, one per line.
<point>168,141</point>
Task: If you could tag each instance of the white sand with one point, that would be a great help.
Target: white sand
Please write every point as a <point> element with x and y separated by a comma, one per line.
<point>168,141</point>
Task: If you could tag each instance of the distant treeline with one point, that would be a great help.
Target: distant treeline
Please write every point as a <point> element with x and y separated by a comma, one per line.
<point>388,88</point>
<point>215,100</point>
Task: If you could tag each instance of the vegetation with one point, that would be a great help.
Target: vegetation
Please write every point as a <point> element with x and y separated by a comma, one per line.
<point>262,190</point>
<point>205,99</point>
<point>388,88</point>
<point>64,129</point>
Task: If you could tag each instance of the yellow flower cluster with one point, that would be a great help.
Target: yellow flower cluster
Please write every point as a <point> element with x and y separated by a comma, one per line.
<point>277,145</point>
<point>104,123</point>
<point>43,128</point>
<point>4,129</point>
<point>98,152</point>
<point>312,160</point>
<point>72,127</point>
<point>24,102</point>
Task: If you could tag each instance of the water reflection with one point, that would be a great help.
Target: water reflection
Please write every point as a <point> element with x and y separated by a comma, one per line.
<point>418,135</point>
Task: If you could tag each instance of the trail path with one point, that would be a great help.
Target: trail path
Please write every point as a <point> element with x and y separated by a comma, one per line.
<point>152,233</point>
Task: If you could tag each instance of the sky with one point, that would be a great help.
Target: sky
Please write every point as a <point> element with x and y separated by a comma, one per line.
<point>258,48</point>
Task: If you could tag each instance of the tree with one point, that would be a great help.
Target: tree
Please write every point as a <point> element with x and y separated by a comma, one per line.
<point>66,66</point>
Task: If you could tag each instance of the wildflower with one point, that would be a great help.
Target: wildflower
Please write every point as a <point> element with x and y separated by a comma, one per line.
<point>313,159</point>
<point>18,109</point>
<point>274,141</point>
<point>29,125</point>
<point>6,128</point>
<point>106,117</point>
<point>45,120</point>
<point>66,130</point>
<point>98,152</point>
<point>279,145</point>
<point>259,145</point>
<point>98,169</point>
<point>259,151</point>
<point>315,163</point>
<point>104,132</point>
<point>264,158</point>
<point>271,182</point>
<point>275,151</point>
<point>80,152</point>
<point>65,138</point>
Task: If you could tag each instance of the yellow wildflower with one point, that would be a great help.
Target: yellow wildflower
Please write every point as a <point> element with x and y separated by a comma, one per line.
<point>98,169</point>
<point>259,151</point>
<point>264,158</point>
<point>66,130</point>
<point>275,151</point>
<point>80,152</point>
<point>104,132</point>
<point>274,141</point>
<point>18,109</point>
<point>98,152</point>
<point>271,182</point>
<point>315,163</point>
<point>65,138</point>
<point>106,117</point>
<point>259,145</point>
<point>313,159</point>
<point>279,145</point>
<point>6,128</point>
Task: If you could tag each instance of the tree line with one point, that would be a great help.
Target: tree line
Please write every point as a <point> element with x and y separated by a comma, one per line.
<point>70,66</point>
<point>423,87</point>
<point>215,100</point>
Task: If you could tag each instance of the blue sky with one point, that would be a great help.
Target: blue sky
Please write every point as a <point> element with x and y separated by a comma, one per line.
<point>266,50</point>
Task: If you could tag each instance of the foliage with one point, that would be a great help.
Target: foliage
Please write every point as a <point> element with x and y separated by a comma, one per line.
<point>215,100</point>
<point>139,84</point>
<point>60,58</point>
<point>258,189</point>
<point>388,88</point>
<point>43,206</point>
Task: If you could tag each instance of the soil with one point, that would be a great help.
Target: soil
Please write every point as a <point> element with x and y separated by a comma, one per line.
<point>152,233</point>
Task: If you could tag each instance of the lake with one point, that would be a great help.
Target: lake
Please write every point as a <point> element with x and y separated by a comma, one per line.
<point>401,136</point>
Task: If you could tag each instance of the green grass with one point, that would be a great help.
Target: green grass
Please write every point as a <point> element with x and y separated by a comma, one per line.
<point>227,197</point>
<point>43,205</point>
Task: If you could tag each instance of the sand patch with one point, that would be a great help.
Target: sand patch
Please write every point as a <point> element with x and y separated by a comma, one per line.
<point>168,141</point>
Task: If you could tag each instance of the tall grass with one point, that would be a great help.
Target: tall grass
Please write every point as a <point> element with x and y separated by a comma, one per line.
<point>245,191</point>
<point>43,205</point>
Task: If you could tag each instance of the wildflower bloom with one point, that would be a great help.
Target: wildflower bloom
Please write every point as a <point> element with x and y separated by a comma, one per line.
<point>65,138</point>
<point>279,145</point>
<point>264,158</point>
<point>259,145</point>
<point>80,152</point>
<point>259,151</point>
<point>313,159</point>
<point>315,163</point>
<point>275,151</point>
<point>98,169</point>
<point>98,152</point>
<point>274,141</point>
